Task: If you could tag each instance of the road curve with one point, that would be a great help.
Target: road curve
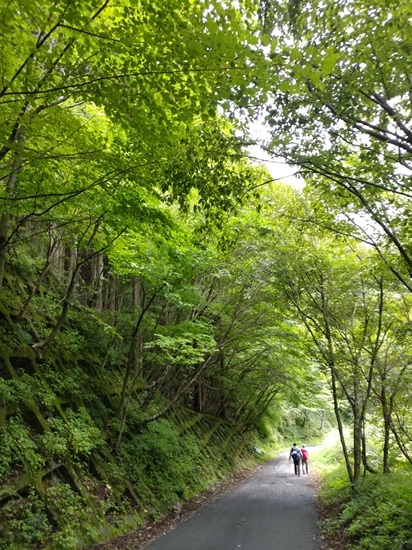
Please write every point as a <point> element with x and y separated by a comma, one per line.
<point>271,510</point>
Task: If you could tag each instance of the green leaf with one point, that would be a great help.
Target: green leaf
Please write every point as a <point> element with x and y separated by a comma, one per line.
<point>329,63</point>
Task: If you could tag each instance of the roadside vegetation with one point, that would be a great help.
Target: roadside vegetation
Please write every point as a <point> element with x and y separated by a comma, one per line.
<point>166,303</point>
<point>374,514</point>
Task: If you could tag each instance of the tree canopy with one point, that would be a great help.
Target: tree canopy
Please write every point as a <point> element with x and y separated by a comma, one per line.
<point>154,278</point>
<point>342,113</point>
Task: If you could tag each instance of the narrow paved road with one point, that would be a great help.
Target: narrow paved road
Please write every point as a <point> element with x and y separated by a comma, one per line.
<point>272,510</point>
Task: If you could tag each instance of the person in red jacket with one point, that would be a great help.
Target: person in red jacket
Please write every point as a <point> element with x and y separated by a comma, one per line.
<point>305,460</point>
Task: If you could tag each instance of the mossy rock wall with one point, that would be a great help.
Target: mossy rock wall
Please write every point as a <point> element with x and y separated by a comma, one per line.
<point>62,483</point>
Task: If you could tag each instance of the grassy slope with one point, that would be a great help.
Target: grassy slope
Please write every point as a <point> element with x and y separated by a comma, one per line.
<point>376,516</point>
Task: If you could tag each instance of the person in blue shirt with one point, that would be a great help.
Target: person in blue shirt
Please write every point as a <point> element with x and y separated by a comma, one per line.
<point>296,456</point>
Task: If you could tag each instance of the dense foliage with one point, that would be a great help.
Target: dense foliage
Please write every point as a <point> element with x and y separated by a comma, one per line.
<point>139,349</point>
<point>342,113</point>
<point>163,304</point>
<point>377,514</point>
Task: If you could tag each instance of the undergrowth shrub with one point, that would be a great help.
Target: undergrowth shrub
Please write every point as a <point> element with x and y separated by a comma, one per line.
<point>74,514</point>
<point>23,449</point>
<point>23,522</point>
<point>7,335</point>
<point>375,514</point>
<point>76,436</point>
<point>380,514</point>
<point>165,458</point>
<point>69,342</point>
<point>71,383</point>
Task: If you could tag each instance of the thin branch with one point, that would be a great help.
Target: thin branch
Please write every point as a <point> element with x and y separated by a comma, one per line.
<point>39,44</point>
<point>82,31</point>
<point>127,75</point>
<point>111,175</point>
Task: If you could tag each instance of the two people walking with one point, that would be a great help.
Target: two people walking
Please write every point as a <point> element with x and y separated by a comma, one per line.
<point>300,456</point>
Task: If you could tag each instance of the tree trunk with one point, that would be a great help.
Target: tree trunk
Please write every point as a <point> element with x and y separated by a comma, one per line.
<point>223,401</point>
<point>198,397</point>
<point>340,427</point>
<point>366,465</point>
<point>132,367</point>
<point>57,255</point>
<point>137,291</point>
<point>98,262</point>
<point>322,420</point>
<point>112,291</point>
<point>63,313</point>
<point>386,429</point>
<point>357,447</point>
<point>5,217</point>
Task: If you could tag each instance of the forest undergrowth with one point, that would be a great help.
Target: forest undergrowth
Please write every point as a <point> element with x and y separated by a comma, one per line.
<point>375,514</point>
<point>166,302</point>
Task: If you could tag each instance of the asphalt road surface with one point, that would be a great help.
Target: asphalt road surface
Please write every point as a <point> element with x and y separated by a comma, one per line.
<point>271,510</point>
